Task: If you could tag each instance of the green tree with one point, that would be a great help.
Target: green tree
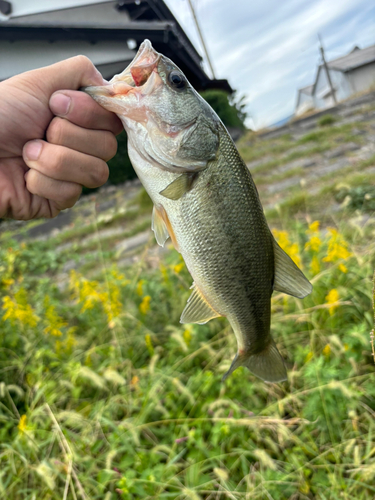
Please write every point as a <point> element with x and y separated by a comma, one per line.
<point>229,108</point>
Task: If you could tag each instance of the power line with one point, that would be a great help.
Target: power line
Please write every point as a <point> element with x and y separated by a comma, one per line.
<point>201,37</point>
<point>327,70</point>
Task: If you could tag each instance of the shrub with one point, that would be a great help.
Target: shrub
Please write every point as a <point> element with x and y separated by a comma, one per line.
<point>229,109</point>
<point>326,120</point>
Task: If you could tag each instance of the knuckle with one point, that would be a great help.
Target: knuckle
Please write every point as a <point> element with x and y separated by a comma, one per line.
<point>110,146</point>
<point>75,193</point>
<point>99,174</point>
<point>32,181</point>
<point>83,61</point>
<point>59,161</point>
<point>55,131</point>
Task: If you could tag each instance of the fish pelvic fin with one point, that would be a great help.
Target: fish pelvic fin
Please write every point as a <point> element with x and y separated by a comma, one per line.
<point>162,227</point>
<point>288,277</point>
<point>159,227</point>
<point>268,364</point>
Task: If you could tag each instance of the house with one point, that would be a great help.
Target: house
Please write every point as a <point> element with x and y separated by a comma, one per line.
<point>108,32</point>
<point>350,74</point>
<point>305,100</point>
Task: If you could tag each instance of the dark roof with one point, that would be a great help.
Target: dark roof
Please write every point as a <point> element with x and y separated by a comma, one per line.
<point>356,58</point>
<point>117,20</point>
<point>308,90</point>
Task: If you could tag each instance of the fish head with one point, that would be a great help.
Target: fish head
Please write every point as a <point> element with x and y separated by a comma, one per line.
<point>165,118</point>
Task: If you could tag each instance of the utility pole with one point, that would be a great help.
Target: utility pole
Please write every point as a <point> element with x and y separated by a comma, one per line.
<point>201,37</point>
<point>327,71</point>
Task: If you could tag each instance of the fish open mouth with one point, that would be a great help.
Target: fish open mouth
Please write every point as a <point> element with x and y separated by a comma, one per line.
<point>136,75</point>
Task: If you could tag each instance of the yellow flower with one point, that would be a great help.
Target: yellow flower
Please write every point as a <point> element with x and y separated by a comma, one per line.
<point>164,273</point>
<point>315,265</point>
<point>332,297</point>
<point>187,334</point>
<point>53,320</point>
<point>313,227</point>
<point>134,381</point>
<point>343,268</point>
<point>291,249</point>
<point>149,345</point>
<point>178,267</point>
<point>337,247</point>
<point>327,350</point>
<point>22,424</point>
<point>313,244</point>
<point>139,289</point>
<point>8,282</point>
<point>111,302</point>
<point>309,356</point>
<point>145,304</point>
<point>92,293</point>
<point>18,309</point>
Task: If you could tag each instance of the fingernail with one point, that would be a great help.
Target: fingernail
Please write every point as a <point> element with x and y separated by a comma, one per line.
<point>32,150</point>
<point>60,104</point>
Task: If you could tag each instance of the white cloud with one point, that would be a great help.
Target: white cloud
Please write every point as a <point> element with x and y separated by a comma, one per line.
<point>268,50</point>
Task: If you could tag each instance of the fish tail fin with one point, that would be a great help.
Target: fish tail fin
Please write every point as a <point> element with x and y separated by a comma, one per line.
<point>268,364</point>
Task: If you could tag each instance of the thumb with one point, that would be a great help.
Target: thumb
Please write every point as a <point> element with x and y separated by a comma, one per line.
<point>70,74</point>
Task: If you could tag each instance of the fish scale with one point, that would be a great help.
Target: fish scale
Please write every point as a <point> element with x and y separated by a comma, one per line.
<point>220,234</point>
<point>206,201</point>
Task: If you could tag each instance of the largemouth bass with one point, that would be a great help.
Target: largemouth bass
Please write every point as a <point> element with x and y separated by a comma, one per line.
<point>206,201</point>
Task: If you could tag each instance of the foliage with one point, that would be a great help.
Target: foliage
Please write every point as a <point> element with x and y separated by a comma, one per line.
<point>356,197</point>
<point>120,167</point>
<point>105,395</point>
<point>229,108</point>
<point>326,120</point>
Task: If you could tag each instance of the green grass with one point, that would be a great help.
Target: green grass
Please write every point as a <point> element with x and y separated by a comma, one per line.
<point>105,395</point>
<point>121,403</point>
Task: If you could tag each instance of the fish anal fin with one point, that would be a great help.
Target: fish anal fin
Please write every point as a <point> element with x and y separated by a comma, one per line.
<point>159,227</point>
<point>288,277</point>
<point>197,309</point>
<point>161,216</point>
<point>268,365</point>
<point>177,188</point>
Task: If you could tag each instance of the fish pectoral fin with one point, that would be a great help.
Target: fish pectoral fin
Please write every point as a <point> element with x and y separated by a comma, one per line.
<point>288,277</point>
<point>177,188</point>
<point>159,227</point>
<point>197,309</point>
<point>268,365</point>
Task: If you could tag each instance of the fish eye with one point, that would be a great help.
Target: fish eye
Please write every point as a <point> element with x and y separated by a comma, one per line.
<point>177,80</point>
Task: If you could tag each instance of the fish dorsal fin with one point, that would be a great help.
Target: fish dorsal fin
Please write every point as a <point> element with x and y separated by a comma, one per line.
<point>177,188</point>
<point>288,277</point>
<point>197,309</point>
<point>159,227</point>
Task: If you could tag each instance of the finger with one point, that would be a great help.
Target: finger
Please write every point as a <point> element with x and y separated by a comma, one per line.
<point>63,194</point>
<point>99,143</point>
<point>64,164</point>
<point>81,109</point>
<point>71,73</point>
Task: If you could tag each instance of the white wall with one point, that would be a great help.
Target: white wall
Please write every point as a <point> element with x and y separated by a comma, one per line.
<point>26,7</point>
<point>322,95</point>
<point>362,78</point>
<point>305,103</point>
<point>17,57</point>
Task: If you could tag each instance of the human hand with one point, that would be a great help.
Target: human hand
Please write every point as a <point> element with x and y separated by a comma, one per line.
<point>45,159</point>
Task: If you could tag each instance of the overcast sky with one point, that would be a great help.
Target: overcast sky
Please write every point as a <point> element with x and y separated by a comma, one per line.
<point>266,49</point>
